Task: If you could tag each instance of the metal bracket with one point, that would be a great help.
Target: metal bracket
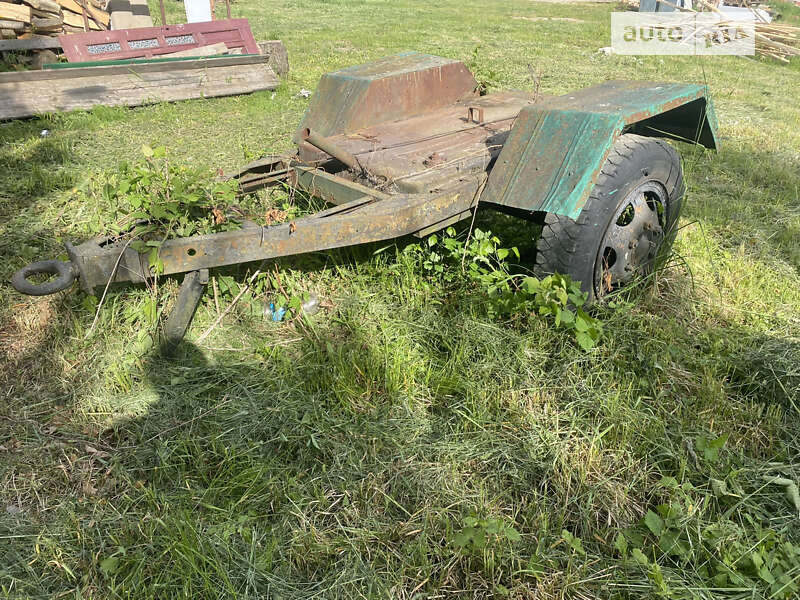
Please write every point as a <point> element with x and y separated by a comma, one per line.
<point>475,114</point>
<point>189,295</point>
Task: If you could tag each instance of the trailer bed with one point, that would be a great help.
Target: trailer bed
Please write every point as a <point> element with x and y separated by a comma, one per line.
<point>416,154</point>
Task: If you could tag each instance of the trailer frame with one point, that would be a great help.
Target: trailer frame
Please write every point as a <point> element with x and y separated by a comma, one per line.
<point>406,145</point>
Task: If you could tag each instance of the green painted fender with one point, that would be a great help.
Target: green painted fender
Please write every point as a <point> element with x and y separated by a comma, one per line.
<point>556,148</point>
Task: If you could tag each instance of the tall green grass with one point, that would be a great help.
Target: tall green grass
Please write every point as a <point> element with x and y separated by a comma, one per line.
<point>352,453</point>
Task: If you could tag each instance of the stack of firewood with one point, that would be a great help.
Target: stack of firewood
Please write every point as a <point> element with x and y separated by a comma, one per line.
<point>26,18</point>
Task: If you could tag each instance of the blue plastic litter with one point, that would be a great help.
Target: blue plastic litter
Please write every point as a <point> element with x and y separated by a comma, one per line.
<point>276,314</point>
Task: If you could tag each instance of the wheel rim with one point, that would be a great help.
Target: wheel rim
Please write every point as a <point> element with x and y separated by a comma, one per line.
<point>633,238</point>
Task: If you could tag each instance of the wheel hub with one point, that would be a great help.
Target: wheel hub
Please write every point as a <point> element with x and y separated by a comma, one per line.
<point>633,238</point>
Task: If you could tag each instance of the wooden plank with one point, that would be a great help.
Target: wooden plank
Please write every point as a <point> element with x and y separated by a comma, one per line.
<point>210,50</point>
<point>143,61</point>
<point>15,12</point>
<point>36,43</point>
<point>132,88</point>
<point>156,66</point>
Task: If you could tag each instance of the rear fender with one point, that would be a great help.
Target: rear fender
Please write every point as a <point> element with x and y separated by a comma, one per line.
<point>556,148</point>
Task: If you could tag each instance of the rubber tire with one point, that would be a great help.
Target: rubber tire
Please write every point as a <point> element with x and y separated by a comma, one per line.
<point>571,247</point>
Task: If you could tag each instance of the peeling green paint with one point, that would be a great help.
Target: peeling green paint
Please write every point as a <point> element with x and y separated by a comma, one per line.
<point>557,147</point>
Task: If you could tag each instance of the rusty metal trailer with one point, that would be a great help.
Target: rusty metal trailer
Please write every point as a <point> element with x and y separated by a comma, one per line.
<point>408,145</point>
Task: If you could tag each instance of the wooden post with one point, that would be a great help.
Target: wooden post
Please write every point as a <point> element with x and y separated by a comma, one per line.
<point>84,12</point>
<point>228,7</point>
<point>163,14</point>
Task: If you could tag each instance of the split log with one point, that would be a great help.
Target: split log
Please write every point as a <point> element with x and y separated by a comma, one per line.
<point>13,25</point>
<point>45,14</point>
<point>76,20</point>
<point>30,42</point>
<point>15,12</point>
<point>95,13</point>
<point>52,23</point>
<point>43,5</point>
<point>39,20</point>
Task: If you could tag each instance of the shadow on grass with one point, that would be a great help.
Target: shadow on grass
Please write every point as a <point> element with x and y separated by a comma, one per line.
<point>33,169</point>
<point>31,164</point>
<point>38,406</point>
<point>264,476</point>
<point>343,462</point>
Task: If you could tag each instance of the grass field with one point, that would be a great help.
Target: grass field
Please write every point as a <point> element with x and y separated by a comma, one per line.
<point>402,443</point>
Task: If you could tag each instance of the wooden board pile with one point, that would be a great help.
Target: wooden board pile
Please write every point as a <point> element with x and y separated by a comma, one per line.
<point>774,40</point>
<point>29,18</point>
<point>777,41</point>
